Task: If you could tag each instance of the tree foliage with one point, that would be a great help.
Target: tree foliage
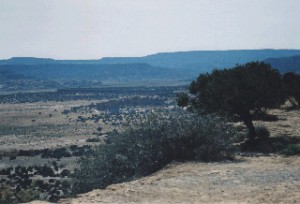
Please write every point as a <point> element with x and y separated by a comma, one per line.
<point>291,84</point>
<point>241,91</point>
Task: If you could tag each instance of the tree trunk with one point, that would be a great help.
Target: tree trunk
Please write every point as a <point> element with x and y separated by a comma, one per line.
<point>247,118</point>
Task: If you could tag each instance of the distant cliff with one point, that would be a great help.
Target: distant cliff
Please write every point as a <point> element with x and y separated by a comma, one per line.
<point>286,64</point>
<point>160,67</point>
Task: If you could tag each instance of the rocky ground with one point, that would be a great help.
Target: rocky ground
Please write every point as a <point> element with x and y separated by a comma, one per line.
<point>252,178</point>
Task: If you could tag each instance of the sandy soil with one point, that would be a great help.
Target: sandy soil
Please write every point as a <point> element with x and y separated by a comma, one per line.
<point>250,179</point>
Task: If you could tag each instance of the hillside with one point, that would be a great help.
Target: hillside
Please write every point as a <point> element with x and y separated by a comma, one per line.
<point>107,73</point>
<point>163,68</point>
<point>199,60</point>
<point>203,61</point>
<point>286,64</point>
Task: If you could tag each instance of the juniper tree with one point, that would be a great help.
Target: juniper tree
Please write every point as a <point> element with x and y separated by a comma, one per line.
<point>240,91</point>
<point>291,84</point>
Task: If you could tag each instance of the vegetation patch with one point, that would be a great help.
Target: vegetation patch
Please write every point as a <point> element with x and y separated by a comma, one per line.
<point>292,149</point>
<point>262,132</point>
<point>242,90</point>
<point>149,145</point>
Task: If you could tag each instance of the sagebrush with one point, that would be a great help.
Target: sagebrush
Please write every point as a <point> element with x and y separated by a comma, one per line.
<point>149,145</point>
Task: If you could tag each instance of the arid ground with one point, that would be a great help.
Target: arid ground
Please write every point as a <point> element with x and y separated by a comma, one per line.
<point>251,178</point>
<point>42,125</point>
<point>271,179</point>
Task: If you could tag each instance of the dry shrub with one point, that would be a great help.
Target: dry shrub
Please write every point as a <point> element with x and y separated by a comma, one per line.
<point>149,145</point>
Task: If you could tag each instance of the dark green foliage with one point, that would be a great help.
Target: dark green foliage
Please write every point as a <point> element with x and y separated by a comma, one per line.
<point>291,84</point>
<point>60,152</point>
<point>28,195</point>
<point>293,149</point>
<point>6,171</point>
<point>238,91</point>
<point>56,153</point>
<point>6,195</point>
<point>46,171</point>
<point>12,157</point>
<point>262,132</point>
<point>10,196</point>
<point>93,140</point>
<point>149,145</point>
<point>65,185</point>
<point>65,173</point>
<point>182,99</point>
<point>79,151</point>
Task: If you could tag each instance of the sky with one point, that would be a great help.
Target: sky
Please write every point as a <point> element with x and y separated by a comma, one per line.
<point>92,29</point>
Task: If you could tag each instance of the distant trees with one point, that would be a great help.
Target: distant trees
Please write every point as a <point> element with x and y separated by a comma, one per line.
<point>182,99</point>
<point>241,90</point>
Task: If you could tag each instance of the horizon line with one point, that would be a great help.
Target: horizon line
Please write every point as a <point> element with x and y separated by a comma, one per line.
<point>140,56</point>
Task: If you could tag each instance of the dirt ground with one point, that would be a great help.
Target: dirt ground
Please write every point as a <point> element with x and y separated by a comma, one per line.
<point>250,179</point>
<point>42,125</point>
<point>263,179</point>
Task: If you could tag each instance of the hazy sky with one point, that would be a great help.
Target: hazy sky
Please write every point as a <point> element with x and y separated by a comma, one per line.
<point>91,29</point>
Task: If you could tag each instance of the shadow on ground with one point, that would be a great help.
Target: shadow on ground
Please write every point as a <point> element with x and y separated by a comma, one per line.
<point>286,145</point>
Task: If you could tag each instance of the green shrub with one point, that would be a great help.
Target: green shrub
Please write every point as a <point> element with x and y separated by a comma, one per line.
<point>262,132</point>
<point>293,149</point>
<point>46,171</point>
<point>93,140</point>
<point>149,145</point>
<point>28,195</point>
<point>6,195</point>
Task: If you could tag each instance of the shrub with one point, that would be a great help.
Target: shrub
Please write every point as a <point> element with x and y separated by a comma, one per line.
<point>182,99</point>
<point>262,132</point>
<point>46,171</point>
<point>38,183</point>
<point>6,195</point>
<point>149,145</point>
<point>12,157</point>
<point>65,185</point>
<point>64,173</point>
<point>293,149</point>
<point>60,152</point>
<point>28,195</point>
<point>93,140</point>
<point>6,171</point>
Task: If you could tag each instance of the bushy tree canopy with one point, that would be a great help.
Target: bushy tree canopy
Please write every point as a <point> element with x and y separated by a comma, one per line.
<point>239,90</point>
<point>291,84</point>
